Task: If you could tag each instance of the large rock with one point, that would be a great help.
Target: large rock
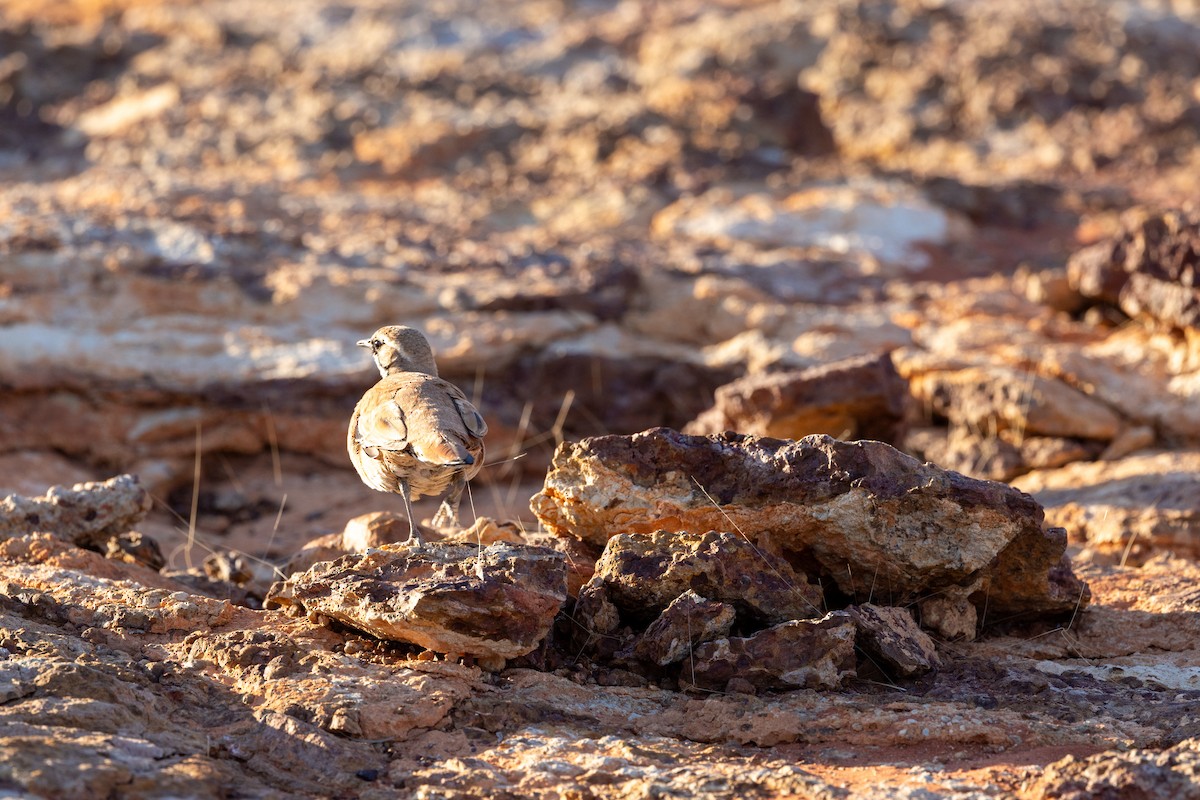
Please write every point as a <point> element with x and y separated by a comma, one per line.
<point>644,573</point>
<point>1151,267</point>
<point>862,397</point>
<point>813,654</point>
<point>877,523</point>
<point>493,603</point>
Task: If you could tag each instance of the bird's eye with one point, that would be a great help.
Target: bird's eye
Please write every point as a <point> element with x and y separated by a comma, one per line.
<point>376,344</point>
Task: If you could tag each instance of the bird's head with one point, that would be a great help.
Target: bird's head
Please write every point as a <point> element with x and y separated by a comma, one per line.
<point>397,348</point>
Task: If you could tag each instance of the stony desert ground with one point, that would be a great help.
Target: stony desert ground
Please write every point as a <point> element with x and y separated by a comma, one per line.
<point>841,361</point>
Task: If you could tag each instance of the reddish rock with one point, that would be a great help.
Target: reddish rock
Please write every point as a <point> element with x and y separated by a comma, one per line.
<point>993,399</point>
<point>1152,267</point>
<point>858,398</point>
<point>813,654</point>
<point>1144,774</point>
<point>688,621</point>
<point>360,534</point>
<point>877,523</point>
<point>493,603</point>
<point>88,514</point>
<point>891,639</point>
<point>644,573</point>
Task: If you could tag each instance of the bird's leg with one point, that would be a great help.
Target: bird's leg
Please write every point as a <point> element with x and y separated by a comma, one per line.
<point>447,513</point>
<point>414,535</point>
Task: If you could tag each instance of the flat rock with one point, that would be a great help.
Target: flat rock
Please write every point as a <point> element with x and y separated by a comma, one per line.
<point>878,523</point>
<point>887,220</point>
<point>1148,499</point>
<point>688,621</point>
<point>861,398</point>
<point>493,603</point>
<point>813,654</point>
<point>643,573</point>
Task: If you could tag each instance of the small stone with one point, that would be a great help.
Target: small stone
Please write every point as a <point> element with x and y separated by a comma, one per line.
<point>689,620</point>
<point>813,654</point>
<point>643,573</point>
<point>891,639</point>
<point>1137,437</point>
<point>950,616</point>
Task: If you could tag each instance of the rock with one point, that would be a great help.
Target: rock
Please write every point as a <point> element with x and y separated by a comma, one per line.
<point>1049,287</point>
<point>1137,437</point>
<point>992,458</point>
<point>859,398</point>
<point>135,548</point>
<point>374,530</point>
<point>1144,501</point>
<point>1144,774</point>
<point>1048,452</point>
<point>595,613</point>
<point>644,573</point>
<point>1150,268</point>
<point>118,115</point>
<point>360,534</point>
<point>1146,377</point>
<point>813,654</point>
<point>887,220</point>
<point>875,522</point>
<point>485,530</point>
<point>493,603</point>
<point>688,621</point>
<point>890,638</point>
<point>1019,122</point>
<point>950,616</point>
<point>993,399</point>
<point>88,514</point>
<point>996,457</point>
<point>323,548</point>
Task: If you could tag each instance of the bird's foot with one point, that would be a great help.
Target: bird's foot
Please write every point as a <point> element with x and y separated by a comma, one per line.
<point>414,535</point>
<point>445,517</point>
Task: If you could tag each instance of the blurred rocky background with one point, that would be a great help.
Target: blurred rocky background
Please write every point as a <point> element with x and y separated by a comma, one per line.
<point>968,229</point>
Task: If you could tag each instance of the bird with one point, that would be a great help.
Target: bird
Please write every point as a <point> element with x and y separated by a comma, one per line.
<point>413,433</point>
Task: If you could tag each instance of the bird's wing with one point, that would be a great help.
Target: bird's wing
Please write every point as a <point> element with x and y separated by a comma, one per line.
<point>382,424</point>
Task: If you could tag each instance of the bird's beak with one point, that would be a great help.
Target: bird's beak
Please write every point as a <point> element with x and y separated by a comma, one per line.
<point>363,343</point>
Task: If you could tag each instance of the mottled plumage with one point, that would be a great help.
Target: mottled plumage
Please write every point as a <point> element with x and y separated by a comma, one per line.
<point>413,433</point>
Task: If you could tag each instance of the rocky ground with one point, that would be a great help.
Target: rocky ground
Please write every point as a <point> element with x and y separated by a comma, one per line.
<point>967,230</point>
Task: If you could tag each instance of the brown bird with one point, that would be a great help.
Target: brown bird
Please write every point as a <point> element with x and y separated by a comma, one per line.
<point>413,433</point>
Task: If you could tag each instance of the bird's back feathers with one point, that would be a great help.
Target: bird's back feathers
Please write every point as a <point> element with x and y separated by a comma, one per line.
<point>415,423</point>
